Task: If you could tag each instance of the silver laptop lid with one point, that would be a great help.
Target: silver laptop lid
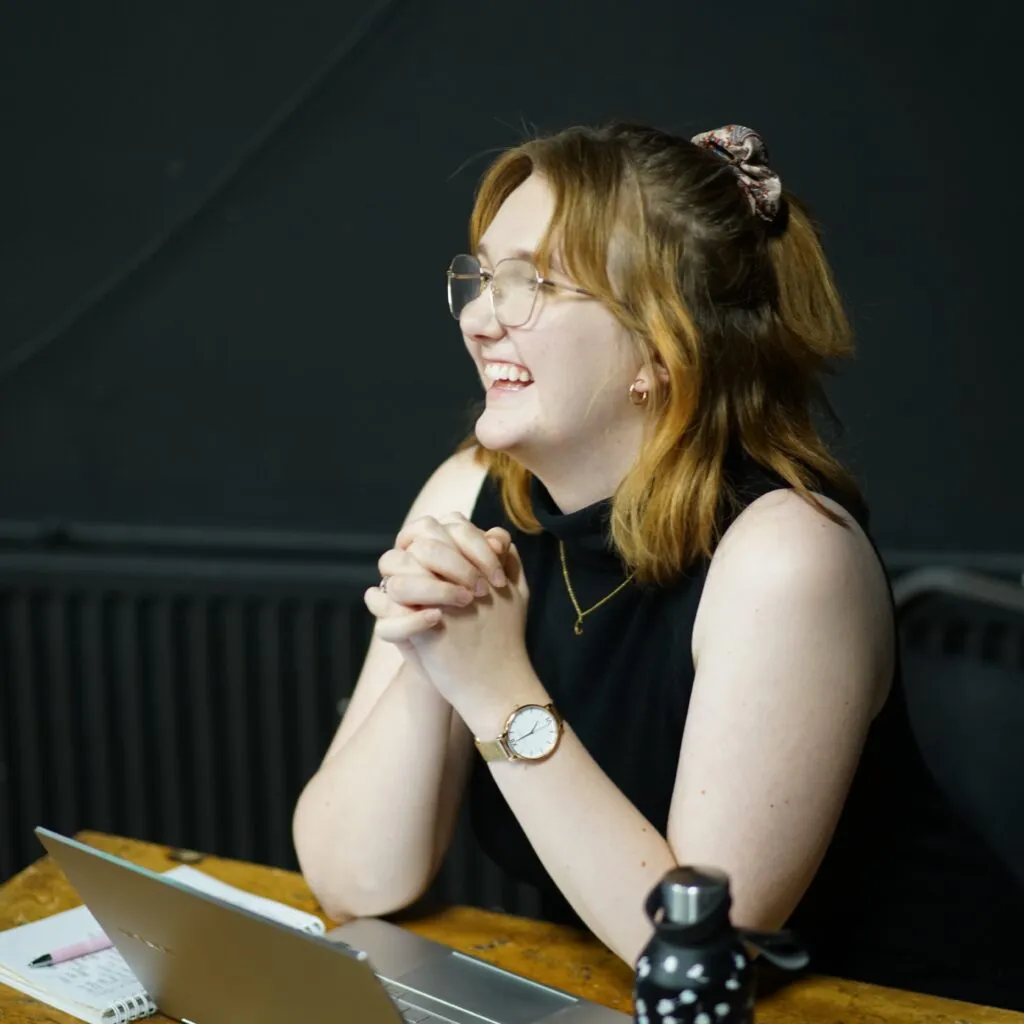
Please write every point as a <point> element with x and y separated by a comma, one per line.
<point>206,961</point>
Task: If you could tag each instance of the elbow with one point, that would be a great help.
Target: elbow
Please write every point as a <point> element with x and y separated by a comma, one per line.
<point>344,894</point>
<point>342,903</point>
<point>346,886</point>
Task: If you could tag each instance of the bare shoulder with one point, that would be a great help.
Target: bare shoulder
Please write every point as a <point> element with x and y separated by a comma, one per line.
<point>782,559</point>
<point>453,487</point>
<point>784,536</point>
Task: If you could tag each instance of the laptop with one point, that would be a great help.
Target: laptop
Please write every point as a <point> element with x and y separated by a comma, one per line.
<point>205,961</point>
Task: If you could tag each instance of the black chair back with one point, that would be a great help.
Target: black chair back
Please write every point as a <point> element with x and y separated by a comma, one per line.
<point>962,645</point>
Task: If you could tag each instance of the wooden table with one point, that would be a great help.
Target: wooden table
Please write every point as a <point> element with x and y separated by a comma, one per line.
<point>559,956</point>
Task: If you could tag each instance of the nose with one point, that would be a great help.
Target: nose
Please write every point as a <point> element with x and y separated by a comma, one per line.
<point>478,320</point>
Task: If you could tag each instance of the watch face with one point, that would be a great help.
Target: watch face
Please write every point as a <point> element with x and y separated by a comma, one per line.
<point>532,733</point>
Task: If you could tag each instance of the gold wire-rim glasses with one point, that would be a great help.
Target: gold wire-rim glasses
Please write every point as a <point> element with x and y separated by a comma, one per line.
<point>485,278</point>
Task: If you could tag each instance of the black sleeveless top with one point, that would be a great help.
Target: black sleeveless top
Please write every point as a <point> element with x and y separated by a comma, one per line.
<point>900,898</point>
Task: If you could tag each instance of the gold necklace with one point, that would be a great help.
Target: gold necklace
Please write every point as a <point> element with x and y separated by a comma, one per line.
<point>580,613</point>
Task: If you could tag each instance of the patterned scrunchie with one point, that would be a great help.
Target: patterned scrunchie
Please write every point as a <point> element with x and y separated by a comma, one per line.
<point>745,151</point>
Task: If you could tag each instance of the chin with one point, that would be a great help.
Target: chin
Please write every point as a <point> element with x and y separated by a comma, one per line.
<point>498,433</point>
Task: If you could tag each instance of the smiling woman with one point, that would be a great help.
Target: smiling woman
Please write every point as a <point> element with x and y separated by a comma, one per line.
<point>567,337</point>
<point>719,309</point>
<point>644,590</point>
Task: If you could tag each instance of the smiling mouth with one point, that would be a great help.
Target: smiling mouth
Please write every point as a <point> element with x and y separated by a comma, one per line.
<point>509,385</point>
<point>507,377</point>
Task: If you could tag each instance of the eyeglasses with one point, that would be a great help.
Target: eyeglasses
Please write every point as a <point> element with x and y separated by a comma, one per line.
<point>513,286</point>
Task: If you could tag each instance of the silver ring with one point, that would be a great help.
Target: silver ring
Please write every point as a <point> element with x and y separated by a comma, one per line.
<point>383,585</point>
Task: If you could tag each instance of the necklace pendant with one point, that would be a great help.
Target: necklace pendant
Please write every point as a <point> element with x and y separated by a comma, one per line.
<point>578,626</point>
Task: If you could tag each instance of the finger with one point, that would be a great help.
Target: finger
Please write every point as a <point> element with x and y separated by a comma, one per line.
<point>385,610</point>
<point>424,527</point>
<point>423,588</point>
<point>473,543</point>
<point>396,629</point>
<point>464,537</point>
<point>499,539</point>
<point>380,605</point>
<point>514,568</point>
<point>430,557</point>
<point>395,561</point>
<point>430,538</point>
<point>449,562</point>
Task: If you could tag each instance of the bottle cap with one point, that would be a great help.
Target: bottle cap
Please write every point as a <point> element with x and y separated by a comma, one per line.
<point>689,895</point>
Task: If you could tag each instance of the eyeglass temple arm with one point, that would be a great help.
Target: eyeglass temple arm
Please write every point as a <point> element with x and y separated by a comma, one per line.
<point>540,280</point>
<point>561,284</point>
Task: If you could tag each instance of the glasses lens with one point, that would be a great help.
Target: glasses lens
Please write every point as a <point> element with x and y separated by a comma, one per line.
<point>463,283</point>
<point>514,288</point>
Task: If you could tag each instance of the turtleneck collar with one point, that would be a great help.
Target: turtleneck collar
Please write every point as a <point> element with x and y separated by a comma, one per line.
<point>585,533</point>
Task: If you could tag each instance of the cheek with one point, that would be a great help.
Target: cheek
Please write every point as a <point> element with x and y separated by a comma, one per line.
<point>473,351</point>
<point>574,381</point>
<point>589,354</point>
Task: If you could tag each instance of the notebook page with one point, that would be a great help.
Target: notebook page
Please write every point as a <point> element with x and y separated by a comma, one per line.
<point>89,986</point>
<point>280,912</point>
<point>85,987</point>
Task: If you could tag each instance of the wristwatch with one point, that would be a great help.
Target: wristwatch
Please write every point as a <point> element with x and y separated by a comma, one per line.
<point>532,733</point>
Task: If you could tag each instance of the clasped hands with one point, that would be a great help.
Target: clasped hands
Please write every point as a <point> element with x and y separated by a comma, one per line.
<point>454,603</point>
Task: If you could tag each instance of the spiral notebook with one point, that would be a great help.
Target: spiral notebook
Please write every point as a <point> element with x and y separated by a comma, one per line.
<point>99,987</point>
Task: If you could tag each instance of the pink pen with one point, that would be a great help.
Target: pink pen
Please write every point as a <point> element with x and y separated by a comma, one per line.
<point>93,944</point>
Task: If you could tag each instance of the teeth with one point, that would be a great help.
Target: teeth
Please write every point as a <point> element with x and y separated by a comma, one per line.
<point>506,371</point>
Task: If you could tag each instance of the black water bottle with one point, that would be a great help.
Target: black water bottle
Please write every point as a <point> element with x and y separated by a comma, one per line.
<point>696,968</point>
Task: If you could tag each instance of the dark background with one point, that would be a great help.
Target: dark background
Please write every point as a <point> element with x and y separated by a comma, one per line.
<point>225,225</point>
<point>226,364</point>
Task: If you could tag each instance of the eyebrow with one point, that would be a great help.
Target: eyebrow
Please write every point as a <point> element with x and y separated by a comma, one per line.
<point>524,254</point>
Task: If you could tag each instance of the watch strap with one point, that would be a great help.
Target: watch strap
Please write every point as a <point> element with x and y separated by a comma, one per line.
<point>493,750</point>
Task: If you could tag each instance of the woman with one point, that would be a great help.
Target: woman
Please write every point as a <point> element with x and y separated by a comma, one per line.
<point>647,549</point>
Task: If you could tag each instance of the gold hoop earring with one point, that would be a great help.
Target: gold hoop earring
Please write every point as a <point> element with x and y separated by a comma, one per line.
<point>636,396</point>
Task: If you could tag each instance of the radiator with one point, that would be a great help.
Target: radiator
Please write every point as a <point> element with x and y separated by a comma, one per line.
<point>184,701</point>
<point>193,720</point>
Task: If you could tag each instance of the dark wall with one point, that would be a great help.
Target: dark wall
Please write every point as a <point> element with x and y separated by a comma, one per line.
<point>225,225</point>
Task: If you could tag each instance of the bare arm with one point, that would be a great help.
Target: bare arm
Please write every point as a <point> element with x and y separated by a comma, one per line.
<point>374,822</point>
<point>793,648</point>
